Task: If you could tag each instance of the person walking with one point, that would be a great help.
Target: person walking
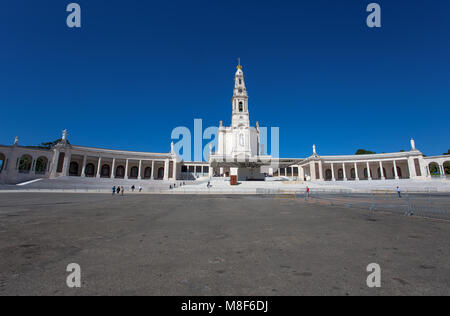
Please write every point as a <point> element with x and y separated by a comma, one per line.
<point>399,191</point>
<point>140,189</point>
<point>307,191</point>
<point>122,189</point>
<point>118,190</point>
<point>114,190</point>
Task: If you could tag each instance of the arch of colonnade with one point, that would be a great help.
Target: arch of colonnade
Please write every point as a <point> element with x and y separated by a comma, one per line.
<point>359,170</point>
<point>121,168</point>
<point>438,166</point>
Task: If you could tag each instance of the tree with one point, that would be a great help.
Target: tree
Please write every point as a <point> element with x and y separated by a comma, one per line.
<point>447,153</point>
<point>47,145</point>
<point>364,152</point>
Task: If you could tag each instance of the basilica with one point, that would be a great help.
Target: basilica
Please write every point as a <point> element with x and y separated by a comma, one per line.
<point>239,156</point>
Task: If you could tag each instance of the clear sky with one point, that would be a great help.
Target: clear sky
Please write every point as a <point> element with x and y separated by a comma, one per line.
<point>138,69</point>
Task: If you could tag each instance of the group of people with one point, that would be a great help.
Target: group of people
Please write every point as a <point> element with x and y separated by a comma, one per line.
<point>120,190</point>
<point>175,185</point>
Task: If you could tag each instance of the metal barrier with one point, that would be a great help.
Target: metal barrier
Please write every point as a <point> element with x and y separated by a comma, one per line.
<point>425,204</point>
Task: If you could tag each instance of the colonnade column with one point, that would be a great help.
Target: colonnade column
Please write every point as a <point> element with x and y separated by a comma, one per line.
<point>211,172</point>
<point>174,171</point>
<point>83,169</point>
<point>395,170</point>
<point>301,173</point>
<point>412,168</point>
<point>33,167</point>
<point>113,170</point>
<point>99,167</point>
<point>333,178</point>
<point>441,167</point>
<point>166,170</point>
<point>153,170</point>
<point>369,174</point>
<point>383,176</point>
<point>140,170</point>
<point>320,171</point>
<point>312,170</point>
<point>344,172</point>
<point>66,165</point>
<point>126,170</point>
<point>356,172</point>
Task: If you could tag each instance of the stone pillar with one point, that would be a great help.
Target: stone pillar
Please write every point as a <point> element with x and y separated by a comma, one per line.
<point>211,172</point>
<point>395,170</point>
<point>33,167</point>
<point>369,174</point>
<point>344,172</point>
<point>312,170</point>
<point>153,170</point>
<point>356,172</point>
<point>320,171</point>
<point>166,170</point>
<point>113,170</point>
<point>301,173</point>
<point>99,167</point>
<point>126,170</point>
<point>441,167</point>
<point>333,178</point>
<point>83,168</point>
<point>412,168</point>
<point>174,171</point>
<point>54,163</point>
<point>383,176</point>
<point>66,166</point>
<point>140,170</point>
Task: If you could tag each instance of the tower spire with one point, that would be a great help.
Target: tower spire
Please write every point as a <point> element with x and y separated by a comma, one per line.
<point>240,99</point>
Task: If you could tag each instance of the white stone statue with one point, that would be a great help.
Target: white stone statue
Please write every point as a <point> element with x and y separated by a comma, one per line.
<point>413,144</point>
<point>64,135</point>
<point>172,148</point>
<point>314,150</point>
<point>16,140</point>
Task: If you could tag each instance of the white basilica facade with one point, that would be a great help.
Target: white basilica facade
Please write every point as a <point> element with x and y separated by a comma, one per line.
<point>239,153</point>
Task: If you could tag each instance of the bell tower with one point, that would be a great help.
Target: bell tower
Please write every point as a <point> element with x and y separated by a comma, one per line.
<point>240,100</point>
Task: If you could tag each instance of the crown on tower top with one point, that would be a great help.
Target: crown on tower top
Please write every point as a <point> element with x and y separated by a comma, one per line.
<point>239,66</point>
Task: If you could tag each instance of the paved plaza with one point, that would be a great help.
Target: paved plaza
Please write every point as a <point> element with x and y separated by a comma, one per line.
<point>216,245</point>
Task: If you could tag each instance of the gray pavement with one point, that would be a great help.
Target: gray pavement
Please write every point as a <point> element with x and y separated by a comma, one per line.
<point>214,245</point>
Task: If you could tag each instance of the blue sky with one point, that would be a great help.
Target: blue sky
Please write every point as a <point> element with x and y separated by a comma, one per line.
<point>138,69</point>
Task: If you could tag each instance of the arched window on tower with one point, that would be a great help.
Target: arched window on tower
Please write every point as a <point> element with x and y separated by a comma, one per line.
<point>241,107</point>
